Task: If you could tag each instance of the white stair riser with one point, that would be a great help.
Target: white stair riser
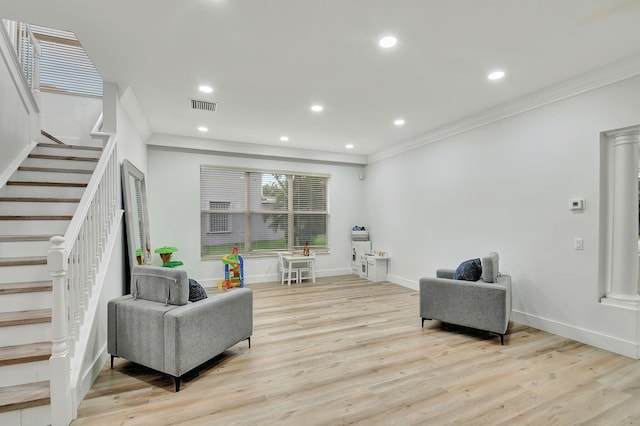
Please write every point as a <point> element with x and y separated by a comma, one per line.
<point>24,248</point>
<point>16,302</point>
<point>25,273</point>
<point>67,152</point>
<point>24,334</point>
<point>40,415</point>
<point>59,164</point>
<point>41,191</point>
<point>30,176</point>
<point>33,227</point>
<point>19,374</point>
<point>36,209</point>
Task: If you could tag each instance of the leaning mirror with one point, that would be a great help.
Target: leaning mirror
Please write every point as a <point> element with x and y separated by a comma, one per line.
<point>134,193</point>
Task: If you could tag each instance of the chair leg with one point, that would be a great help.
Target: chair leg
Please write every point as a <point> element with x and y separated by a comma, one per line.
<point>423,322</point>
<point>177,380</point>
<point>112,357</point>
<point>249,339</point>
<point>501,338</point>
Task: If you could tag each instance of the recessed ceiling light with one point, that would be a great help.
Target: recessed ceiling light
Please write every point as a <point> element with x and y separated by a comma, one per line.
<point>399,122</point>
<point>387,42</point>
<point>284,138</point>
<point>316,108</point>
<point>349,146</point>
<point>496,75</point>
<point>203,129</point>
<point>205,89</point>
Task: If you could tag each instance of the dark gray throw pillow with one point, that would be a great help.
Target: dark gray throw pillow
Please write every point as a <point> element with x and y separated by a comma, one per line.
<point>196,291</point>
<point>469,270</point>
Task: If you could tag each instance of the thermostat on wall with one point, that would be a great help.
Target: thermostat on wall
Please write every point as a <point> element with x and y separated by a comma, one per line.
<point>576,204</point>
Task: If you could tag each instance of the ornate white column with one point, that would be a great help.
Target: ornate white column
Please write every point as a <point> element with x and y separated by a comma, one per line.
<point>624,253</point>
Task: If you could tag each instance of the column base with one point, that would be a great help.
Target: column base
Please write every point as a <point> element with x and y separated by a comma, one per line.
<point>622,301</point>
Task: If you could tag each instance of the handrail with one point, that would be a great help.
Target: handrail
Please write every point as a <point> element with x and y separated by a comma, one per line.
<point>76,262</point>
<point>9,51</point>
<point>28,51</point>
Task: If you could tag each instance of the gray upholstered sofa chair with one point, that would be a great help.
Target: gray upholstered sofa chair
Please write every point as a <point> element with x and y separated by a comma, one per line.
<point>484,304</point>
<point>156,326</point>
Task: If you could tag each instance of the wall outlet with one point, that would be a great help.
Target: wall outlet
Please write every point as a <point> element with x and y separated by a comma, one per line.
<point>578,243</point>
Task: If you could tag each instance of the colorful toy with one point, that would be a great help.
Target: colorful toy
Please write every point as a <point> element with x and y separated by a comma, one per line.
<point>165,254</point>
<point>233,270</point>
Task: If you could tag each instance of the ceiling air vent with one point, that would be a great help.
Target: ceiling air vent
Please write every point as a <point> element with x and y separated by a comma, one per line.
<point>203,105</point>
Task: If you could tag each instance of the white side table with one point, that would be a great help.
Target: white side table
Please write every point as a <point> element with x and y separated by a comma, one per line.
<point>377,267</point>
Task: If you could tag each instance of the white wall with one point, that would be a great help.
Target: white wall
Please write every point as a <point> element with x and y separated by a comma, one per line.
<point>131,145</point>
<point>16,112</point>
<point>174,209</point>
<point>505,187</point>
<point>69,118</point>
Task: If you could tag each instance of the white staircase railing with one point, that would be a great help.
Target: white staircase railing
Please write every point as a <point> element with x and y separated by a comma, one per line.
<point>27,49</point>
<point>76,263</point>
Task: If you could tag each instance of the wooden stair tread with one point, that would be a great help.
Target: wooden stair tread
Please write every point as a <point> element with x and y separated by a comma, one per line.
<point>39,316</point>
<point>36,183</point>
<point>43,217</point>
<point>23,261</point>
<point>39,200</point>
<point>20,354</point>
<point>25,287</point>
<point>62,157</point>
<point>65,146</point>
<point>19,397</point>
<point>24,238</point>
<point>54,170</point>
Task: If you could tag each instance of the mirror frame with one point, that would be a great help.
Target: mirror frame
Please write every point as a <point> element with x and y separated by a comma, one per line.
<point>136,216</point>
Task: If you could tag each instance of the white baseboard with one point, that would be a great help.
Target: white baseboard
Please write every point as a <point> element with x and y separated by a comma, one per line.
<point>90,375</point>
<point>589,337</point>
<point>413,285</point>
<point>13,166</point>
<point>270,278</point>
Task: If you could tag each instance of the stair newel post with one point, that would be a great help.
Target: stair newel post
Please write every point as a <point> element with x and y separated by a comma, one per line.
<point>61,398</point>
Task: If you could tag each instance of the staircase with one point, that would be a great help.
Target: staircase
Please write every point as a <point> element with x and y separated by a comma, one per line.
<point>37,202</point>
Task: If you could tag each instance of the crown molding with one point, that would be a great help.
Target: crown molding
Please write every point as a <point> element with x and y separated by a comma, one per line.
<point>183,143</point>
<point>130,104</point>
<point>592,80</point>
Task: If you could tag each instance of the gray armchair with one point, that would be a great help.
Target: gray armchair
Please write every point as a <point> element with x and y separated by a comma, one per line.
<point>156,326</point>
<point>484,304</point>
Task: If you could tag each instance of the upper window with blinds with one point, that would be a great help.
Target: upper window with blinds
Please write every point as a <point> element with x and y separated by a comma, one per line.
<point>262,212</point>
<point>64,64</point>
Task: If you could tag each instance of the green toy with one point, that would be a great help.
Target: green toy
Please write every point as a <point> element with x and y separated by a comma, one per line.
<point>165,254</point>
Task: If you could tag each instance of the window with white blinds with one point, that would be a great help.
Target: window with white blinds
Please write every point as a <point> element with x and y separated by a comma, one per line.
<point>64,64</point>
<point>262,212</point>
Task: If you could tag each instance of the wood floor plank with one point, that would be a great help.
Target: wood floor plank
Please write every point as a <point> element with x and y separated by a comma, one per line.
<point>347,351</point>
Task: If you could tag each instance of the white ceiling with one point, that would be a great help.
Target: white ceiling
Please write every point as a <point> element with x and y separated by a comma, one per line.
<point>270,60</point>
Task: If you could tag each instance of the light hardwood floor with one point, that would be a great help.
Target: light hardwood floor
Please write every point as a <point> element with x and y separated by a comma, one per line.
<point>346,351</point>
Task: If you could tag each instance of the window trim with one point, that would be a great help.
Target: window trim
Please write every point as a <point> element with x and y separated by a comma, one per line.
<point>248,211</point>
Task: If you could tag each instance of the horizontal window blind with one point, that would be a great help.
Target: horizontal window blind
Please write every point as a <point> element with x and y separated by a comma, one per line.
<point>64,64</point>
<point>265,211</point>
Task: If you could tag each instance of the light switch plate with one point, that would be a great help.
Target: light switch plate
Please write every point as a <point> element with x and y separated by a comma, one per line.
<point>578,243</point>
<point>576,204</point>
